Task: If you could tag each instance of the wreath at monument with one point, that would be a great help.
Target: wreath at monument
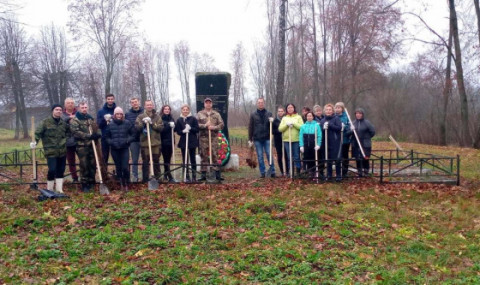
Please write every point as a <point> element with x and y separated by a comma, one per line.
<point>223,149</point>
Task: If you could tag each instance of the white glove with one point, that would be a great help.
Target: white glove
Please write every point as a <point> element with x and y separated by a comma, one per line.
<point>185,131</point>
<point>147,120</point>
<point>107,117</point>
<point>171,124</point>
<point>33,145</point>
<point>317,147</point>
<point>352,127</point>
<point>270,119</point>
<point>289,124</point>
<point>343,126</point>
<point>302,149</point>
<point>325,126</point>
<point>187,127</point>
<point>250,144</point>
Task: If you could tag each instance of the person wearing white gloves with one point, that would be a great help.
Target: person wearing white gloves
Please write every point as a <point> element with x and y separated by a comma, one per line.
<point>188,124</point>
<point>259,135</point>
<point>290,125</point>
<point>104,117</point>
<point>150,119</point>
<point>332,125</point>
<point>167,141</point>
<point>53,133</point>
<point>307,142</point>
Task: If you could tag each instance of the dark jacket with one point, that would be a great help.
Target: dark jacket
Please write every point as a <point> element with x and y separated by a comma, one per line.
<point>259,126</point>
<point>333,133</point>
<point>365,132</point>
<point>119,134</point>
<point>70,139</point>
<point>344,119</point>
<point>101,122</point>
<point>53,133</point>
<point>131,116</point>
<point>277,135</point>
<point>166,133</point>
<point>192,136</point>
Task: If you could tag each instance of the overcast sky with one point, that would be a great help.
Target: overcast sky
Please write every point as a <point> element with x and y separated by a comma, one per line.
<point>216,26</point>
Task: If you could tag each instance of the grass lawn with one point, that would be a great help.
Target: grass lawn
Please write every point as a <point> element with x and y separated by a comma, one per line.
<point>254,231</point>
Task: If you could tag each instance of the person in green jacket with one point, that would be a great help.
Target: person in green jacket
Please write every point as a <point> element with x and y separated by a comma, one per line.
<point>53,132</point>
<point>290,127</point>
<point>309,144</point>
<point>154,121</point>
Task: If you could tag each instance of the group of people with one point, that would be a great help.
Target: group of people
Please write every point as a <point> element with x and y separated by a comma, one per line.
<point>70,130</point>
<point>322,135</point>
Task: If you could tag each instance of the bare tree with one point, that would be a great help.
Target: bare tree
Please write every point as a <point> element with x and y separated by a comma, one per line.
<point>13,49</point>
<point>466,136</point>
<point>163,73</point>
<point>281,55</point>
<point>182,59</point>
<point>53,66</point>
<point>238,68</point>
<point>203,63</point>
<point>108,23</point>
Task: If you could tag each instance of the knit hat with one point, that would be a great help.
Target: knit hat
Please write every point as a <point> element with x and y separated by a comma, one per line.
<point>340,104</point>
<point>118,110</point>
<point>55,106</point>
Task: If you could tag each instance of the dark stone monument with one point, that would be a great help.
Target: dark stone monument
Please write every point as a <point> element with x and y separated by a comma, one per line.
<point>214,85</point>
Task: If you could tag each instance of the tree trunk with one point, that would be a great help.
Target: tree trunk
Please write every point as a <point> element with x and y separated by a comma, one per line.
<point>93,92</point>
<point>476,143</point>
<point>281,56</point>
<point>316,79</point>
<point>143,89</point>
<point>21,107</point>
<point>447,90</point>
<point>466,137</point>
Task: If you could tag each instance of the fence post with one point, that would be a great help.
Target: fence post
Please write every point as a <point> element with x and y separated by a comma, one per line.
<point>458,170</point>
<point>381,169</point>
<point>411,156</point>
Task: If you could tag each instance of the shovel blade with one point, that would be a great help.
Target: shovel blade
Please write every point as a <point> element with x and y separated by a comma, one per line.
<point>152,184</point>
<point>104,189</point>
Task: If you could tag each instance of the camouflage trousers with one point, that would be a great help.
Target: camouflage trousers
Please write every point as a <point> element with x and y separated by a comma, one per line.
<point>87,164</point>
<point>146,162</point>
<point>205,153</point>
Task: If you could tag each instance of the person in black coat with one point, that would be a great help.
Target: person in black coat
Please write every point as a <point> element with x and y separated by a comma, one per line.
<point>365,131</point>
<point>188,124</point>
<point>167,143</point>
<point>277,138</point>
<point>131,116</point>
<point>332,126</point>
<point>119,134</point>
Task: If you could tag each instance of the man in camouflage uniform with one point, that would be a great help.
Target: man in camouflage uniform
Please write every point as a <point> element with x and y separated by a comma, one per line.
<point>154,121</point>
<point>209,121</point>
<point>53,132</point>
<point>80,128</point>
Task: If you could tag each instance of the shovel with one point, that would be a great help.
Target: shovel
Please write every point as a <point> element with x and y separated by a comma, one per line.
<point>152,183</point>
<point>34,158</point>
<point>186,159</point>
<point>173,157</point>
<point>290,149</point>
<point>269,172</point>
<point>103,188</point>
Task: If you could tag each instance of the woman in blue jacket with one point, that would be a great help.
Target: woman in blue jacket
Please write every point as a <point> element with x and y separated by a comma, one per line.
<point>309,144</point>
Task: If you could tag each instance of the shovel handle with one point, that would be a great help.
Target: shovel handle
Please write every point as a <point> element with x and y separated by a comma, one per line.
<point>34,155</point>
<point>150,150</point>
<point>99,172</point>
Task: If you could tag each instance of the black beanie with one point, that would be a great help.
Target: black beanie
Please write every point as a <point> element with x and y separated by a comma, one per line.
<point>55,106</point>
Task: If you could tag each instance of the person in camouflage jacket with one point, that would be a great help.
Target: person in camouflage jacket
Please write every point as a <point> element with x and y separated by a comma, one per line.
<point>80,127</point>
<point>209,120</point>
<point>53,131</point>
<point>155,122</point>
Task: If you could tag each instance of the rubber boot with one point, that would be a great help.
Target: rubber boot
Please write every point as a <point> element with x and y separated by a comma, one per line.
<point>85,188</point>
<point>50,184</point>
<point>59,185</point>
<point>218,176</point>
<point>203,177</point>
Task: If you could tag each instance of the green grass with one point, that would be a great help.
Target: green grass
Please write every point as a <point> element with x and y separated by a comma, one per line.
<point>259,231</point>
